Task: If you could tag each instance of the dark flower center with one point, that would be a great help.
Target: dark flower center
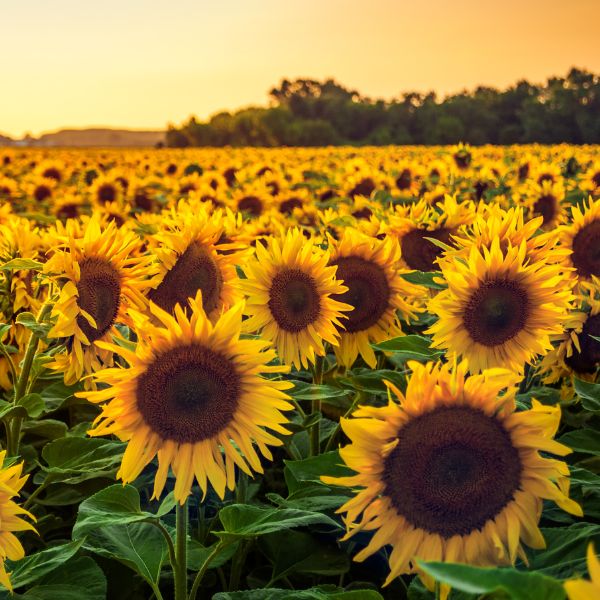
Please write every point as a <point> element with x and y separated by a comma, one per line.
<point>42,192</point>
<point>251,205</point>
<point>364,187</point>
<point>404,180</point>
<point>453,470</point>
<point>52,173</point>
<point>99,289</point>
<point>524,171</point>
<point>294,300</point>
<point>107,193</point>
<point>188,394</point>
<point>419,253</point>
<point>368,291</point>
<point>462,159</point>
<point>588,359</point>
<point>586,250</point>
<point>287,206</point>
<point>496,312</point>
<point>196,269</point>
<point>547,206</point>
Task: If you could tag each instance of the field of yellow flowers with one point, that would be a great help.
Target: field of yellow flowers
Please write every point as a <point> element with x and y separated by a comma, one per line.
<point>300,374</point>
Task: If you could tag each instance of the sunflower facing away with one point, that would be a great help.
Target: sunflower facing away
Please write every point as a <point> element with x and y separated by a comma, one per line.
<point>290,293</point>
<point>579,589</point>
<point>192,388</point>
<point>451,472</point>
<point>369,267</point>
<point>499,309</point>
<point>11,514</point>
<point>100,279</point>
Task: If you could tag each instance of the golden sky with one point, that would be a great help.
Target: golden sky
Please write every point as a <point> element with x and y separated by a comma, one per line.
<point>143,63</point>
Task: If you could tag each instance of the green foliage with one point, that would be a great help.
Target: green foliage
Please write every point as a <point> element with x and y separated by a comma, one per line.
<point>312,113</point>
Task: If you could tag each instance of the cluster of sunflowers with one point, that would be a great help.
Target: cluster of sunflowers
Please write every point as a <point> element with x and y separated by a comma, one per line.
<point>433,311</point>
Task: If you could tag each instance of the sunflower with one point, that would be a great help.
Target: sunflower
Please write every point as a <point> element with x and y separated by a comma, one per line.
<point>290,292</point>
<point>415,225</point>
<point>546,199</point>
<point>579,589</point>
<point>106,189</point>
<point>451,472</point>
<point>11,515</point>
<point>370,269</point>
<point>499,309</point>
<point>191,389</point>
<point>582,237</point>
<point>100,279</point>
<point>188,259</point>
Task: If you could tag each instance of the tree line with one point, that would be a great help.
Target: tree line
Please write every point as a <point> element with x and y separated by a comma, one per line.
<point>306,112</point>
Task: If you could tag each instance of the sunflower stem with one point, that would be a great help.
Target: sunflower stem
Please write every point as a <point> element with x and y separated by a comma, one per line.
<point>332,438</point>
<point>241,491</point>
<point>180,568</point>
<point>12,442</point>
<point>315,439</point>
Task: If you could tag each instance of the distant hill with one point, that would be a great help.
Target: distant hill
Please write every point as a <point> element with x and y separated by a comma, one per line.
<point>90,137</point>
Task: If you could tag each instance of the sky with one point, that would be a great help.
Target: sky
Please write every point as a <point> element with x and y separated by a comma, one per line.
<point>144,63</point>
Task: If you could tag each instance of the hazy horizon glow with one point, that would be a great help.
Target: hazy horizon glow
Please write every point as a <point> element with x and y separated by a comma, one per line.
<point>141,64</point>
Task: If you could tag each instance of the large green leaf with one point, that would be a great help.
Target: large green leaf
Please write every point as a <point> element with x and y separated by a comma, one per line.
<point>409,347</point>
<point>309,391</point>
<point>586,441</point>
<point>140,546</point>
<point>565,553</point>
<point>21,264</point>
<point>76,459</point>
<point>298,472</point>
<point>35,566</point>
<point>303,554</point>
<point>589,394</point>
<point>78,579</point>
<point>114,505</point>
<point>248,521</point>
<point>517,585</point>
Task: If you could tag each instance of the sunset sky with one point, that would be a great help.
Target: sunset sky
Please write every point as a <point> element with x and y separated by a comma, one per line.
<point>143,63</point>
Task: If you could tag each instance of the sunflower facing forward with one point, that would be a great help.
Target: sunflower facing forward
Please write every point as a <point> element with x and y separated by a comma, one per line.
<point>290,293</point>
<point>369,267</point>
<point>192,388</point>
<point>452,472</point>
<point>100,278</point>
<point>499,310</point>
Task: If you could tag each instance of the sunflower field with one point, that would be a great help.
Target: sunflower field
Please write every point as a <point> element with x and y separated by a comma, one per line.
<point>300,374</point>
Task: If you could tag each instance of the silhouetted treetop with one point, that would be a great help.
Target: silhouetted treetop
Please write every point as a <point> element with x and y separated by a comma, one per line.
<point>308,112</point>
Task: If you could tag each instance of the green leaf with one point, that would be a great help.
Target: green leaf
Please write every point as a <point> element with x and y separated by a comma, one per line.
<point>140,546</point>
<point>303,554</point>
<point>426,279</point>
<point>21,264</point>
<point>35,566</point>
<point>114,505</point>
<point>586,441</point>
<point>409,347</point>
<point>78,459</point>
<point>316,593</point>
<point>367,380</point>
<point>308,391</point>
<point>565,554</point>
<point>545,395</point>
<point>299,472</point>
<point>33,405</point>
<point>518,585</point>
<point>197,555</point>
<point>29,320</point>
<point>77,579</point>
<point>56,394</point>
<point>247,521</point>
<point>589,394</point>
